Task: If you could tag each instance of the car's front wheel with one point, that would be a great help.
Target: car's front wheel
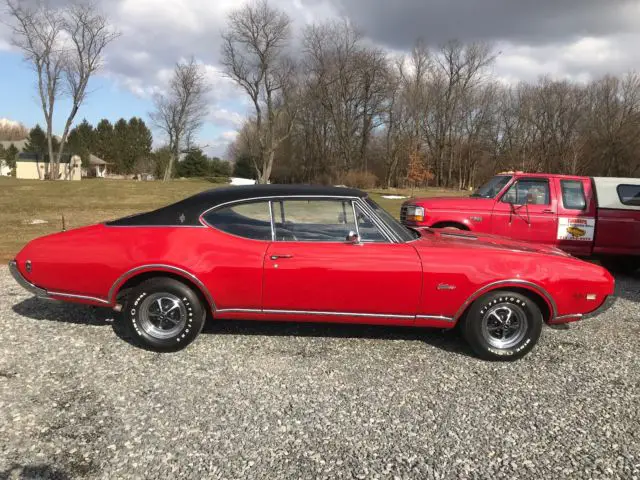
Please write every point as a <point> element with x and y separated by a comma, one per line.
<point>164,314</point>
<point>502,325</point>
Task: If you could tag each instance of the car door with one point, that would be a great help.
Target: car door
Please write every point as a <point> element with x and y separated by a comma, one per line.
<point>313,268</point>
<point>527,211</point>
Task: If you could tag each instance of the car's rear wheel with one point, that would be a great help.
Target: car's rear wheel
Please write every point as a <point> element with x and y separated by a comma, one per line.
<point>502,325</point>
<point>164,314</point>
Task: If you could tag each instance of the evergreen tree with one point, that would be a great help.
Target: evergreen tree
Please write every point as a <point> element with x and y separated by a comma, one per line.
<point>102,145</point>
<point>220,168</point>
<point>37,142</point>
<point>11,156</point>
<point>122,152</point>
<point>138,140</point>
<point>195,164</point>
<point>243,167</point>
<point>80,141</point>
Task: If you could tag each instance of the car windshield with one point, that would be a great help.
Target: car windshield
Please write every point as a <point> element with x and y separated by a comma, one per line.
<point>492,187</point>
<point>402,232</point>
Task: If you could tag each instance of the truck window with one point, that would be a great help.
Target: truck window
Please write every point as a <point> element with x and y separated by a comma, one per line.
<point>492,187</point>
<point>629,194</point>
<point>573,195</point>
<point>528,191</point>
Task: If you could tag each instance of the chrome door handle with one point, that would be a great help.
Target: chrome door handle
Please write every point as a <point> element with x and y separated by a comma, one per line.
<point>547,211</point>
<point>276,257</point>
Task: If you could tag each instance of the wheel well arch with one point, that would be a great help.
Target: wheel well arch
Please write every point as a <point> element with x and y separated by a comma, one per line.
<point>132,279</point>
<point>540,297</point>
<point>450,224</point>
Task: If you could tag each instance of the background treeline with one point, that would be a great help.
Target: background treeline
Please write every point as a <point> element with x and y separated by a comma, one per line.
<point>355,114</point>
<point>127,147</point>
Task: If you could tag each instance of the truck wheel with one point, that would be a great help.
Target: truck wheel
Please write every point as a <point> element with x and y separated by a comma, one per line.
<point>164,314</point>
<point>502,325</point>
<point>626,265</point>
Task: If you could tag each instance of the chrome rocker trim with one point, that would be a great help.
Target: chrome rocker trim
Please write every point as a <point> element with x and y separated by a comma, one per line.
<point>334,314</point>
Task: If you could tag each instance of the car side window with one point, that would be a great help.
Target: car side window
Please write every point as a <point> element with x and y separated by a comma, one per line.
<point>573,197</point>
<point>368,231</point>
<point>249,220</point>
<point>528,192</point>
<point>629,194</point>
<point>314,220</point>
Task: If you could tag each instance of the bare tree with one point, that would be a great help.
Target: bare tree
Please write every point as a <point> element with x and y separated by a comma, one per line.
<point>179,112</point>
<point>65,48</point>
<point>253,57</point>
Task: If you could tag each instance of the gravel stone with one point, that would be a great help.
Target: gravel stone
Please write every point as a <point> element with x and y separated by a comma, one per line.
<point>265,400</point>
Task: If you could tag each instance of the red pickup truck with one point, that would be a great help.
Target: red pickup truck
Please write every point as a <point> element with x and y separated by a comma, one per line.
<point>585,216</point>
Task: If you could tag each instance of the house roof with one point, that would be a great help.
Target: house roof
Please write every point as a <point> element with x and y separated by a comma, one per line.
<point>95,161</point>
<point>19,144</point>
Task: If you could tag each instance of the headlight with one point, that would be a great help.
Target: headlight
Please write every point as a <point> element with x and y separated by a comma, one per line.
<point>415,214</point>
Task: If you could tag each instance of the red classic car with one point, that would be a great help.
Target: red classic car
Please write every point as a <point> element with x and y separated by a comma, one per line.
<point>306,253</point>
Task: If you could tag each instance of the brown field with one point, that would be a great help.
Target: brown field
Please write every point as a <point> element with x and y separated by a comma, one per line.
<point>96,200</point>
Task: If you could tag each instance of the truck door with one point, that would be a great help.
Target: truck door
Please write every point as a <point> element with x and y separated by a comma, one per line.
<point>576,215</point>
<point>527,211</point>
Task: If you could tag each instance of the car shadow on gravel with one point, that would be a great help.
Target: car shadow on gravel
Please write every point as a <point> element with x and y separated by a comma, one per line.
<point>628,286</point>
<point>447,340</point>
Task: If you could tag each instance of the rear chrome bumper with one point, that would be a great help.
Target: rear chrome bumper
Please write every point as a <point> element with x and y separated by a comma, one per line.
<point>24,283</point>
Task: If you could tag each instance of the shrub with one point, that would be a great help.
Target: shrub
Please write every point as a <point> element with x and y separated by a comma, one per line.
<point>358,179</point>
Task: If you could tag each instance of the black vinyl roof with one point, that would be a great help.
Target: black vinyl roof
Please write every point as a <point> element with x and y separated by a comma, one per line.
<point>187,212</point>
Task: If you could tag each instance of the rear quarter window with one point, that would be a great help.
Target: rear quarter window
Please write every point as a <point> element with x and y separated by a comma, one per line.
<point>573,197</point>
<point>629,195</point>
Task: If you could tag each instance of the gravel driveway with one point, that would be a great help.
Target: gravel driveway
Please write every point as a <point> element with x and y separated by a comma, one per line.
<point>258,400</point>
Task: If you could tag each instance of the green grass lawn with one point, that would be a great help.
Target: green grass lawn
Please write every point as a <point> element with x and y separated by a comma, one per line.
<point>96,200</point>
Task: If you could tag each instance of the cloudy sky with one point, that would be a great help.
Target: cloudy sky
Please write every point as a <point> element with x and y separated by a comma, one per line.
<point>576,39</point>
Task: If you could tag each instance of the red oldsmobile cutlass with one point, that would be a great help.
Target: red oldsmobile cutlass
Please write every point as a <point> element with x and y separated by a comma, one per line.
<point>305,253</point>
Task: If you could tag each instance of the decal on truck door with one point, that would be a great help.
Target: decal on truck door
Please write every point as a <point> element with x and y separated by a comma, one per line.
<point>580,229</point>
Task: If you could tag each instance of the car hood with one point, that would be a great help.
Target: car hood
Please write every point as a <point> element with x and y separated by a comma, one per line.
<point>463,239</point>
<point>453,203</point>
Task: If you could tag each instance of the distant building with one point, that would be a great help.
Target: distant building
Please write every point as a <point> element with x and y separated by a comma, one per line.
<point>5,170</point>
<point>96,167</point>
<point>35,166</point>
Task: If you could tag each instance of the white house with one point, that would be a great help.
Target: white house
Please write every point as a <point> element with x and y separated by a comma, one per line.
<point>37,167</point>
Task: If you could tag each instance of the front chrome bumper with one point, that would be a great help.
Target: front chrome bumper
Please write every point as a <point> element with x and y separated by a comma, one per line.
<point>24,283</point>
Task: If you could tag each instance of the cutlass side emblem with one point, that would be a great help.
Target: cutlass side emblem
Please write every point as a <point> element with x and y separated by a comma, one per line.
<point>445,286</point>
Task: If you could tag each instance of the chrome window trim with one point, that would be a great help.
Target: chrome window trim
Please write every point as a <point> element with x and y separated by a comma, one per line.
<point>271,198</point>
<point>273,225</point>
<point>517,281</point>
<point>151,266</point>
<point>379,223</point>
<point>370,215</point>
<point>355,220</point>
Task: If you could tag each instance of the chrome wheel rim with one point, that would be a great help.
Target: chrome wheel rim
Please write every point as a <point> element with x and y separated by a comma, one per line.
<point>162,315</point>
<point>504,325</point>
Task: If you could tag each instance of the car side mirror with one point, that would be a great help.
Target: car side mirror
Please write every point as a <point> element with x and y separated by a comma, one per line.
<point>353,237</point>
